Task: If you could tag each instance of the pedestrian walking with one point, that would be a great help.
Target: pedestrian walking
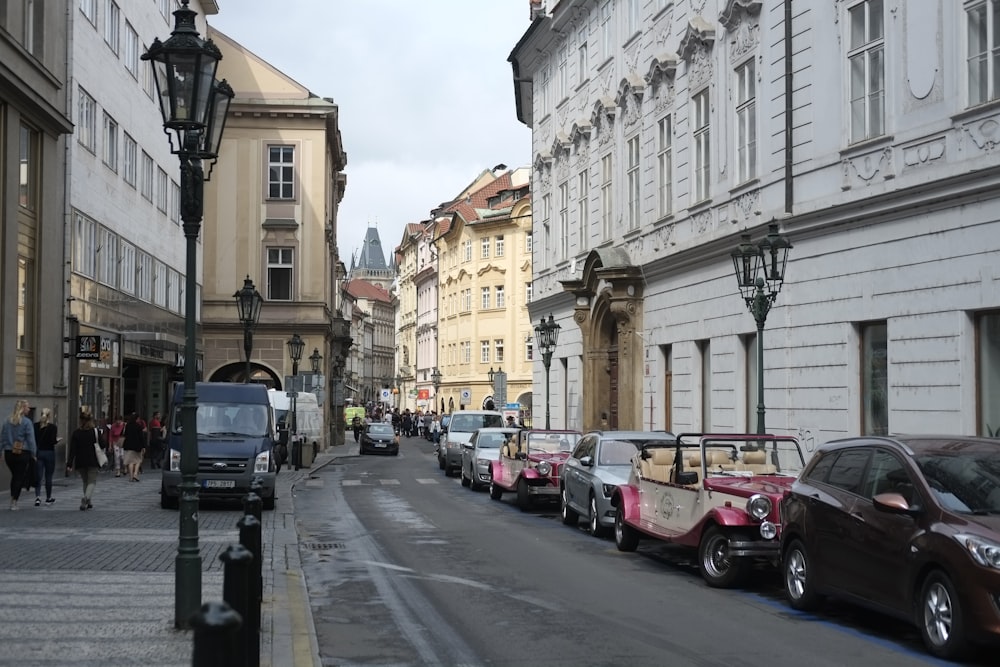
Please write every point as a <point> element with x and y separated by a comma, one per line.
<point>46,438</point>
<point>82,457</point>
<point>17,442</point>
<point>116,438</point>
<point>134,446</point>
<point>155,441</point>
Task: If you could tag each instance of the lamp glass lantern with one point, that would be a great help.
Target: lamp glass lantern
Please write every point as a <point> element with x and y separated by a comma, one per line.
<point>316,360</point>
<point>491,374</point>
<point>295,348</point>
<point>248,305</point>
<point>436,378</point>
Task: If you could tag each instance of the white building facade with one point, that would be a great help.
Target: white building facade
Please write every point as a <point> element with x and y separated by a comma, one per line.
<point>867,129</point>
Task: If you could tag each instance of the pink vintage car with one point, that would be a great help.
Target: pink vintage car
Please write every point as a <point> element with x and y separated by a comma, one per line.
<point>529,465</point>
<point>717,493</point>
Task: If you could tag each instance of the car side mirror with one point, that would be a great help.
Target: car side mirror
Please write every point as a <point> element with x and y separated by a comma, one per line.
<point>468,445</point>
<point>893,503</point>
<point>587,461</point>
<point>687,478</point>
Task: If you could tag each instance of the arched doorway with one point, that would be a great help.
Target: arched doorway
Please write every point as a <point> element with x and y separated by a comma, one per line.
<point>236,372</point>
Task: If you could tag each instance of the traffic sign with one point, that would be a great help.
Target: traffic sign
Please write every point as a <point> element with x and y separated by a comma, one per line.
<point>385,394</point>
<point>466,396</point>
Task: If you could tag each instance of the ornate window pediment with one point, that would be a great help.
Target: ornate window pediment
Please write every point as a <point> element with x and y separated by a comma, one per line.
<point>662,68</point>
<point>736,10</point>
<point>700,34</point>
<point>580,130</point>
<point>604,110</point>
<point>560,146</point>
<point>543,160</point>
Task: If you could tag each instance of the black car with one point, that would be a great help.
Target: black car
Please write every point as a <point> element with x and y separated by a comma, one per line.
<point>379,438</point>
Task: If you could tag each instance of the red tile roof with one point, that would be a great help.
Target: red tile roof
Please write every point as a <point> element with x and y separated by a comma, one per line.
<point>362,289</point>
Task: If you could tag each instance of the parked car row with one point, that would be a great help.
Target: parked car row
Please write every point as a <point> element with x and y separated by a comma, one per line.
<point>905,525</point>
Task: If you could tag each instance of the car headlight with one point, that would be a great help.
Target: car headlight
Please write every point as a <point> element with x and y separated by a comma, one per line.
<point>263,462</point>
<point>983,551</point>
<point>544,468</point>
<point>759,507</point>
<point>608,489</point>
<point>483,463</point>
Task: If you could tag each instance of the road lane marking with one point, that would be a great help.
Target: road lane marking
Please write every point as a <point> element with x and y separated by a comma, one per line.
<point>389,482</point>
<point>352,482</point>
<point>425,480</point>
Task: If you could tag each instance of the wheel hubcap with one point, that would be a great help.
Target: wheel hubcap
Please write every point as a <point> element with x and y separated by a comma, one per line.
<point>937,614</point>
<point>717,557</point>
<point>564,509</point>
<point>594,522</point>
<point>795,574</point>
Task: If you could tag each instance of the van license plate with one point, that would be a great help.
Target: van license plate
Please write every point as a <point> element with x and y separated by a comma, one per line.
<point>219,484</point>
<point>380,444</point>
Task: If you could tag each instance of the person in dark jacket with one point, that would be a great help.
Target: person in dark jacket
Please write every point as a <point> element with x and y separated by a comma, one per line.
<point>17,442</point>
<point>135,445</point>
<point>46,437</point>
<point>82,457</point>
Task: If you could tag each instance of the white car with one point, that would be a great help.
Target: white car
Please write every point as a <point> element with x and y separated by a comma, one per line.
<point>482,448</point>
<point>461,427</point>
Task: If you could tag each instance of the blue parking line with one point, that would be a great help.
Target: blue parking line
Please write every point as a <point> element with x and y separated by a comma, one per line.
<point>884,643</point>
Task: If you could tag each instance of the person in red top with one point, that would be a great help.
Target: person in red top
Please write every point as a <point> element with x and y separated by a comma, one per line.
<point>116,437</point>
<point>155,441</point>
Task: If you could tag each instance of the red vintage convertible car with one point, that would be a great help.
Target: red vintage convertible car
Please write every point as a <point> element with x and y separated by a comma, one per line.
<point>717,493</point>
<point>530,464</point>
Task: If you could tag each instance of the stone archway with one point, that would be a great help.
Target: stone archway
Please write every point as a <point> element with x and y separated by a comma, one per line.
<point>609,312</point>
<point>236,372</point>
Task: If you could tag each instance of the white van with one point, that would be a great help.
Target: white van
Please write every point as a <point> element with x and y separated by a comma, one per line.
<point>308,416</point>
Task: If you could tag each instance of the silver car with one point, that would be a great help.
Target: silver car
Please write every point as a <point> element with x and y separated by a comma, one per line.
<point>461,427</point>
<point>598,464</point>
<point>483,447</point>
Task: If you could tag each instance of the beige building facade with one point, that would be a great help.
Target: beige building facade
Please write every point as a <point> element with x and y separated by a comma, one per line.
<point>271,215</point>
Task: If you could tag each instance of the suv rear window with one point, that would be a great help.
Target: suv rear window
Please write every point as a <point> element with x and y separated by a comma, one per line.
<point>470,423</point>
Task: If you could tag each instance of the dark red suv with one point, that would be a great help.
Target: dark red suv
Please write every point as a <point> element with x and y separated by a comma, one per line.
<point>907,525</point>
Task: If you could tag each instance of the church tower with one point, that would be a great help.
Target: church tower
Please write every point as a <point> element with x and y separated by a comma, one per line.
<point>371,265</point>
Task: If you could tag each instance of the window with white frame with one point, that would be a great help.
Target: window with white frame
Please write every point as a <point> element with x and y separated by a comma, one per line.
<point>982,22</point>
<point>89,9</point>
<point>867,64</point>
<point>632,181</point>
<point>27,173</point>
<point>85,246</point>
<point>583,207</point>
<point>874,378</point>
<point>112,21</point>
<point>466,352</point>
<point>563,220</point>
<point>527,293</point>
<point>498,350</point>
<point>127,268</point>
<point>160,284</point>
<point>543,92</point>
<point>746,122</point>
<point>484,296</point>
<point>631,18</point>
<point>499,297</point>
<point>279,274</point>
<point>107,258</point>
<point>86,121</point>
<point>34,23</point>
<point>607,31</point>
<point>148,86</point>
<point>280,170</point>
<point>129,155</point>
<point>664,165</point>
<point>607,176</point>
<point>162,191</point>
<point>562,75</point>
<point>498,246</point>
<point>175,203</point>
<point>528,237</point>
<point>581,63</point>
<point>110,143</point>
<point>173,294</point>
<point>701,134</point>
<point>466,299</point>
<point>484,247</point>
<point>988,376</point>
<point>164,6</point>
<point>529,349</point>
<point>146,175</point>
<point>131,52</point>
<point>27,303</point>
<point>144,276</point>
<point>546,208</point>
<point>467,251</point>
<point>484,351</point>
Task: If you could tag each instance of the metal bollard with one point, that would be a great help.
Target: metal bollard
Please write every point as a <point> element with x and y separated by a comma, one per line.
<point>252,502</point>
<point>250,538</point>
<point>238,560</point>
<point>215,630</point>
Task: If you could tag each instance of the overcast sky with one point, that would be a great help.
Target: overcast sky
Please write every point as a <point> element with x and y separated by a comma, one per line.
<point>424,89</point>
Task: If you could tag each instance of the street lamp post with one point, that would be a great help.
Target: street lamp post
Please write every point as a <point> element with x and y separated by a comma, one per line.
<point>546,337</point>
<point>194,107</point>
<point>760,272</point>
<point>315,359</point>
<point>295,347</point>
<point>248,303</point>
<point>436,381</point>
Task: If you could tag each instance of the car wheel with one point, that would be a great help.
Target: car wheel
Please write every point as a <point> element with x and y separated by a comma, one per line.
<point>441,464</point>
<point>465,480</point>
<point>718,568</point>
<point>798,578</point>
<point>570,517</point>
<point>942,623</point>
<point>594,526</point>
<point>626,537</point>
<point>523,499</point>
<point>496,493</point>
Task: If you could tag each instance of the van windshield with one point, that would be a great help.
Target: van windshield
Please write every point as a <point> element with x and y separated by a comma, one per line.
<point>470,423</point>
<point>227,419</point>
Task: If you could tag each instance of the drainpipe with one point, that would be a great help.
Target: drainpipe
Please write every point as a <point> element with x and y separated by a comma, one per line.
<point>789,188</point>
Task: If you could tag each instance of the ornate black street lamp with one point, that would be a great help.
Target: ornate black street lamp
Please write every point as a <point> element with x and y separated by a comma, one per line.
<point>491,374</point>
<point>436,381</point>
<point>295,348</point>
<point>248,303</point>
<point>315,359</point>
<point>194,107</point>
<point>760,272</point>
<point>546,337</point>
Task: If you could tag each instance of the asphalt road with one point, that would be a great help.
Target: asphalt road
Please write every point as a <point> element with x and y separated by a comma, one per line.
<point>406,567</point>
